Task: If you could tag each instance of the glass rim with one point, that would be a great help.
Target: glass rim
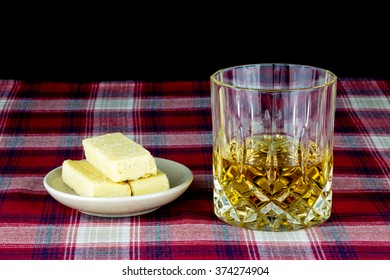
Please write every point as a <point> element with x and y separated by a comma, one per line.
<point>216,81</point>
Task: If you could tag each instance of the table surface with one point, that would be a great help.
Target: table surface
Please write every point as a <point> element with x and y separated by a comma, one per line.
<point>42,123</point>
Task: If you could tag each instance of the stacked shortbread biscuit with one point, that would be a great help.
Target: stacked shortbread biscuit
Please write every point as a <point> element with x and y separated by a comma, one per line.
<point>115,166</point>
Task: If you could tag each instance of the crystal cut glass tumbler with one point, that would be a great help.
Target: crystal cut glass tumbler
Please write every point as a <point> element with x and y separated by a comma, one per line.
<point>273,145</point>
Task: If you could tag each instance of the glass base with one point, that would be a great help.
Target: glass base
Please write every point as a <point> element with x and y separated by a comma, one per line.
<point>272,215</point>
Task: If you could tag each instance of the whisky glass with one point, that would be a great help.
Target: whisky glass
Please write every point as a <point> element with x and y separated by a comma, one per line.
<point>273,127</point>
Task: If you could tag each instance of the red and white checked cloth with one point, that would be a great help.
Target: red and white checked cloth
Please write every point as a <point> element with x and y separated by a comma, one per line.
<point>43,123</point>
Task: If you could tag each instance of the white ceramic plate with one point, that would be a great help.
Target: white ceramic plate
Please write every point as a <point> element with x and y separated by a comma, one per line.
<point>179,176</point>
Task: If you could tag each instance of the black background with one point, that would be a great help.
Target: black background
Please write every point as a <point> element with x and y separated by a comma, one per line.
<point>85,46</point>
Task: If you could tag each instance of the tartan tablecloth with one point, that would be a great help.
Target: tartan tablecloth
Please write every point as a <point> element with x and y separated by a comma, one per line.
<point>43,123</point>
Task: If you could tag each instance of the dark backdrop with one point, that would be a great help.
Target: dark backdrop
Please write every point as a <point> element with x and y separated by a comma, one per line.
<point>176,61</point>
<point>182,48</point>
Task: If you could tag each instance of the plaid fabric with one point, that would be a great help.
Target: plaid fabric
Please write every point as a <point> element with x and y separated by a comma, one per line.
<point>43,123</point>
